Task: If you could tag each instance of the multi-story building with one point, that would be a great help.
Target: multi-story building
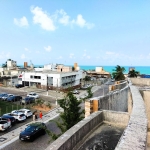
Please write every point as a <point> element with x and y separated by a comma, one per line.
<point>43,79</point>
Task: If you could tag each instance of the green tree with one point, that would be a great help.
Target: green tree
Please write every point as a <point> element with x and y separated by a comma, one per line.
<point>133,73</point>
<point>89,91</point>
<point>87,78</point>
<point>71,115</point>
<point>118,73</point>
<point>4,65</point>
<point>72,111</point>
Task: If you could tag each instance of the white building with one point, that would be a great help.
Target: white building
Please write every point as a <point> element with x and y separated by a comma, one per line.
<point>50,78</point>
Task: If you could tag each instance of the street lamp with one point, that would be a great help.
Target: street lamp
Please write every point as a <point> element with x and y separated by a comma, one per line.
<point>56,92</point>
<point>103,88</point>
<point>47,85</point>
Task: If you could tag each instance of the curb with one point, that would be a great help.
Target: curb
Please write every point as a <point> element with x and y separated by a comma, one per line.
<point>17,137</point>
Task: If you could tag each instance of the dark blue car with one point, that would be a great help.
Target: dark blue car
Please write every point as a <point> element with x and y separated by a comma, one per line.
<point>27,100</point>
<point>14,98</point>
<point>3,94</point>
<point>8,117</point>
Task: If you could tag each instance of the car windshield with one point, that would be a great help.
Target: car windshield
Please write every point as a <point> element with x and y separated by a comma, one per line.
<point>30,128</point>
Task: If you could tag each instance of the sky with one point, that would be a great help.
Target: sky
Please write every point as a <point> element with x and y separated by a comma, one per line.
<point>87,32</point>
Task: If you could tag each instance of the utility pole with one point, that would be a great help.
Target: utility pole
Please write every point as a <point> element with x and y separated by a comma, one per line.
<point>103,88</point>
<point>56,92</point>
<point>24,78</point>
<point>47,85</point>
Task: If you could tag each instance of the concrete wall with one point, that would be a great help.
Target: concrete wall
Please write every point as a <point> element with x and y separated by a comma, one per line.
<point>72,138</point>
<point>77,133</point>
<point>135,134</point>
<point>121,85</point>
<point>140,81</point>
<point>146,97</point>
<point>116,118</point>
<point>117,101</point>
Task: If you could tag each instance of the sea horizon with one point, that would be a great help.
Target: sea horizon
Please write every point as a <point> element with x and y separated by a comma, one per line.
<point>141,69</point>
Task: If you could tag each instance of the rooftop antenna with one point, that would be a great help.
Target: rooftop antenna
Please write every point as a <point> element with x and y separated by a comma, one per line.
<point>31,64</point>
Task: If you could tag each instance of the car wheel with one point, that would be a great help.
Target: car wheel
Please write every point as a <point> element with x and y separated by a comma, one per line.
<point>43,133</point>
<point>31,139</point>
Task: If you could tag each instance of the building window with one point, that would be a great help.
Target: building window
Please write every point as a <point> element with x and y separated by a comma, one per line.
<point>31,77</point>
<point>37,77</point>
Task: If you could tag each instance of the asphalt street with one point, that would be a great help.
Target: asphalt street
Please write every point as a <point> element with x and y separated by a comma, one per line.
<point>42,142</point>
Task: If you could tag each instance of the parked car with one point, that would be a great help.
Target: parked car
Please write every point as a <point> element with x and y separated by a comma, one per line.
<point>17,115</point>
<point>112,80</point>
<point>32,94</point>
<point>33,131</point>
<point>2,94</point>
<point>75,91</point>
<point>12,119</point>
<point>27,100</point>
<point>19,85</point>
<point>14,98</point>
<point>3,125</point>
<point>4,98</point>
<point>8,121</point>
<point>26,112</point>
<point>84,87</point>
<point>89,85</point>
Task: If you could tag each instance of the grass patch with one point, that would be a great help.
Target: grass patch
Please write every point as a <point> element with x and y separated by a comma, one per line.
<point>7,107</point>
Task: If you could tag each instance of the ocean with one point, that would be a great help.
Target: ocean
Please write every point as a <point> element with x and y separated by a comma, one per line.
<point>141,69</point>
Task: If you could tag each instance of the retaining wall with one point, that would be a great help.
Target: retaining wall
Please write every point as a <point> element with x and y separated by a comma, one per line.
<point>116,118</point>
<point>77,133</point>
<point>140,81</point>
<point>121,85</point>
<point>135,134</point>
<point>72,138</point>
<point>117,100</point>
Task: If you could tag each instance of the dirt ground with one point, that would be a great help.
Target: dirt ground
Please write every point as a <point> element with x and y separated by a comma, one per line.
<point>44,109</point>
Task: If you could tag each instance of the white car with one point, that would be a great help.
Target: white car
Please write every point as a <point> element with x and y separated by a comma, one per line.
<point>3,125</point>
<point>19,116</point>
<point>75,91</point>
<point>33,95</point>
<point>27,112</point>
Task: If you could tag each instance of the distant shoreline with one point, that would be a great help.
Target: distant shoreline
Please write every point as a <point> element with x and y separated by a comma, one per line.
<point>141,69</point>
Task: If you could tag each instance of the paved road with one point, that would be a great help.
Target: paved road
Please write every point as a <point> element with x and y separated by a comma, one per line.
<point>41,143</point>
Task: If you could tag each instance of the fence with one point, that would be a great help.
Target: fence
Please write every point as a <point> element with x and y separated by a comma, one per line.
<point>7,107</point>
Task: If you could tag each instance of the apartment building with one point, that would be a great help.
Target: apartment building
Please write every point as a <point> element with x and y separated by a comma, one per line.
<point>49,79</point>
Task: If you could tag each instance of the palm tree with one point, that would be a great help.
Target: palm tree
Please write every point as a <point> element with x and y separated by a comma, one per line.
<point>118,73</point>
<point>133,73</point>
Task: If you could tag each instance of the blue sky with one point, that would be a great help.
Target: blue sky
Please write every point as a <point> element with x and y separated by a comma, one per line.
<point>89,32</point>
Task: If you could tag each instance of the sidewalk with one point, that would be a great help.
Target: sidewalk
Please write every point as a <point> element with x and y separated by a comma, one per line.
<point>12,136</point>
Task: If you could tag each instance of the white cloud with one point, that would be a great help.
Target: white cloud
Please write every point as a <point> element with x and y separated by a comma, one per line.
<point>88,57</point>
<point>71,55</point>
<point>65,18</point>
<point>109,53</point>
<point>23,56</point>
<point>26,49</point>
<point>60,57</point>
<point>21,22</point>
<point>48,48</point>
<point>5,55</point>
<point>82,22</point>
<point>42,18</point>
